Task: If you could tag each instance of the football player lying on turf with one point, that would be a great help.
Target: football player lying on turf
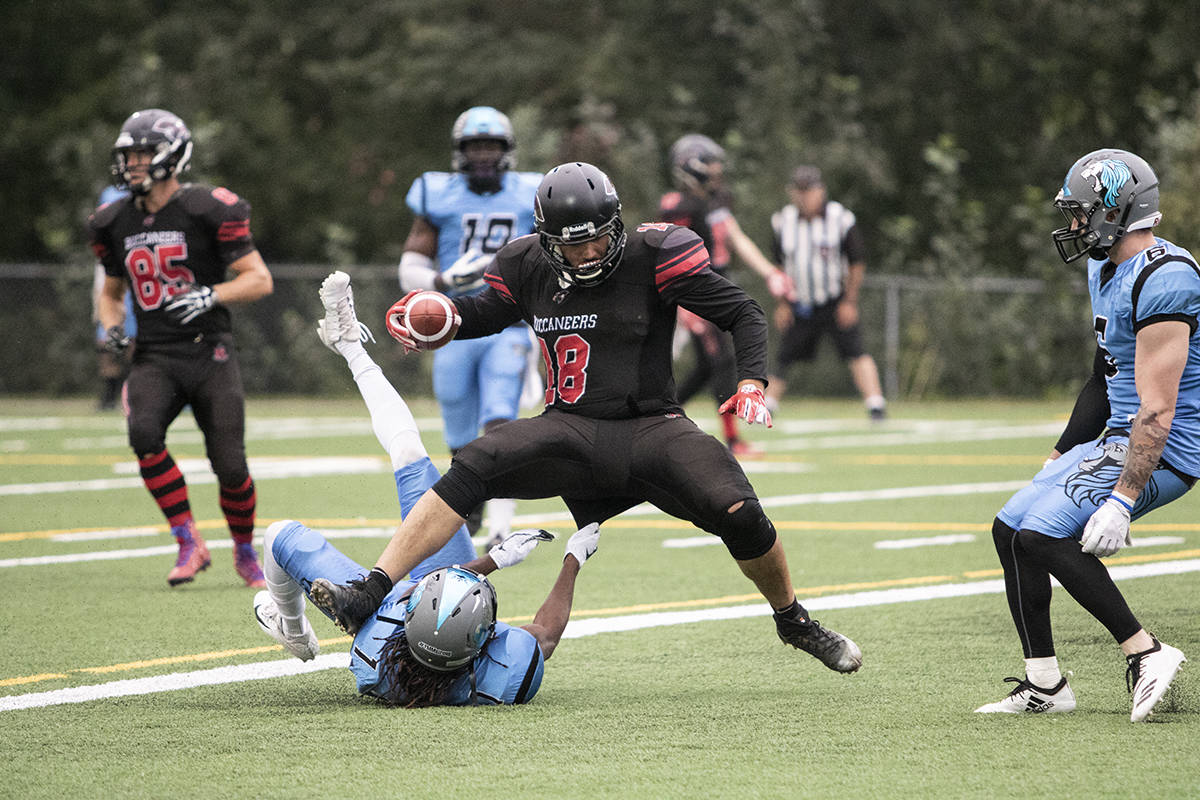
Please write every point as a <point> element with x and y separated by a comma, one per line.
<point>409,653</point>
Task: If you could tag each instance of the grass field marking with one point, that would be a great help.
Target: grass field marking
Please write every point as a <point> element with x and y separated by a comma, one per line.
<point>924,541</point>
<point>576,629</point>
<point>236,673</point>
<point>943,459</point>
<point>196,471</point>
<point>45,676</point>
<point>51,460</point>
<point>1110,561</point>
<point>934,434</point>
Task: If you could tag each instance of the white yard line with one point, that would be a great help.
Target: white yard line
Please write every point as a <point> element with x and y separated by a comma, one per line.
<point>239,673</point>
<point>924,541</point>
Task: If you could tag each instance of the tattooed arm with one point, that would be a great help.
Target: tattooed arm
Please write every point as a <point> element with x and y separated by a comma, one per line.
<point>1162,353</point>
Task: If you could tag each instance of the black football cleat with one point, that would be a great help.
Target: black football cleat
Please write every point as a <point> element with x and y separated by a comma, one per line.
<point>349,606</point>
<point>829,647</point>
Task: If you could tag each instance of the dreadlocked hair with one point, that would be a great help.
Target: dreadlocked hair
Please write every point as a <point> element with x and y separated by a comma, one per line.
<point>410,683</point>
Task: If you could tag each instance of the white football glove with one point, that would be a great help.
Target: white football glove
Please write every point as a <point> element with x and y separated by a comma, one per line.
<point>115,340</point>
<point>1107,530</point>
<point>183,308</point>
<point>583,542</point>
<point>517,545</point>
<point>749,404</point>
<point>466,273</point>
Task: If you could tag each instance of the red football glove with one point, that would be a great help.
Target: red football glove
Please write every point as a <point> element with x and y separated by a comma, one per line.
<point>394,320</point>
<point>749,404</point>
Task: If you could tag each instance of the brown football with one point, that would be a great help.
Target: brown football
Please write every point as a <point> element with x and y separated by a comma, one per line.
<point>431,319</point>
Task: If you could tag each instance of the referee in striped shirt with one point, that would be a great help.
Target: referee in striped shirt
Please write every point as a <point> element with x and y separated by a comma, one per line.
<point>822,251</point>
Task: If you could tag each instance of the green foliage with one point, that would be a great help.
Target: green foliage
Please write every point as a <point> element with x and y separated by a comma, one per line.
<point>947,134</point>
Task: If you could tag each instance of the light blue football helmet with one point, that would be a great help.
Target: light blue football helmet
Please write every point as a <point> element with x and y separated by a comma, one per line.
<point>474,124</point>
<point>449,617</point>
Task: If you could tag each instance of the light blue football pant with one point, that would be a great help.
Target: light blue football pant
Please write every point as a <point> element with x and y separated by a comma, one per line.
<point>477,381</point>
<point>306,555</point>
<point>1061,498</point>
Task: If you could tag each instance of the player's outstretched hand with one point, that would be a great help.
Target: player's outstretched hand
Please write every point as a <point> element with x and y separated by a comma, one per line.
<point>584,542</point>
<point>780,286</point>
<point>749,404</point>
<point>394,320</point>
<point>517,545</point>
<point>1107,530</point>
<point>183,308</point>
<point>467,272</point>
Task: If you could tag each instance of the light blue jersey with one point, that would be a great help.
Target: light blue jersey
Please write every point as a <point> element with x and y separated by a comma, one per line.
<point>476,381</point>
<point>1160,283</point>
<point>468,221</point>
<point>508,670</point>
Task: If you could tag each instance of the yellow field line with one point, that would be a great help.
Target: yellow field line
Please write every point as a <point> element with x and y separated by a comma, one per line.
<point>598,612</point>
<point>657,524</point>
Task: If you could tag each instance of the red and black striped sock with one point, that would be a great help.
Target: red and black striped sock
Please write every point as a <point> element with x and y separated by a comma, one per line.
<point>165,482</point>
<point>238,504</point>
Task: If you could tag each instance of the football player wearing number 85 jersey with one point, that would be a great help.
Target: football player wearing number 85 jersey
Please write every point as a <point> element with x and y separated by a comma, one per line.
<point>174,244</point>
<point>602,302</point>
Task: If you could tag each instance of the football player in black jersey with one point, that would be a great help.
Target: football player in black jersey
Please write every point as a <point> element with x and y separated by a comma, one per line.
<point>602,301</point>
<point>701,202</point>
<point>174,244</point>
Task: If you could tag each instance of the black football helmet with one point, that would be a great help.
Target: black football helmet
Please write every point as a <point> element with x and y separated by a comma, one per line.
<point>577,203</point>
<point>486,123</point>
<point>159,132</point>
<point>694,161</point>
<point>1106,194</point>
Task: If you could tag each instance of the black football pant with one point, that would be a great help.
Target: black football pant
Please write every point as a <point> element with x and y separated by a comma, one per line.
<point>204,375</point>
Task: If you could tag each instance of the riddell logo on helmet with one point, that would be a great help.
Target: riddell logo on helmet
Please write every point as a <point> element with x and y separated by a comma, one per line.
<point>584,229</point>
<point>428,648</point>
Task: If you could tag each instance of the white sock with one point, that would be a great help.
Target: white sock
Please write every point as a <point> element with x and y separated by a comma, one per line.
<point>875,401</point>
<point>391,418</point>
<point>286,593</point>
<point>1043,672</point>
<point>500,511</point>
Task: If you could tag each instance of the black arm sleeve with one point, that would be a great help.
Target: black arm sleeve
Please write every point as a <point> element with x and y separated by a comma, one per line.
<point>485,313</point>
<point>1091,410</point>
<point>724,304</point>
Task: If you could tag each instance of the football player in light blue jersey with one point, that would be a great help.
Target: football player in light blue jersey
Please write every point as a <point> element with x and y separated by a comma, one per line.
<point>435,639</point>
<point>461,219</point>
<point>1132,443</point>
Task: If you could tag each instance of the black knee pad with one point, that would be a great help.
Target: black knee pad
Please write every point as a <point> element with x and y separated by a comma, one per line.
<point>747,533</point>
<point>461,489</point>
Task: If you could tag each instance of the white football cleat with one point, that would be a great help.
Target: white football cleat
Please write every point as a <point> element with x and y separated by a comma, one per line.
<point>1149,676</point>
<point>1030,699</point>
<point>340,323</point>
<point>266,613</point>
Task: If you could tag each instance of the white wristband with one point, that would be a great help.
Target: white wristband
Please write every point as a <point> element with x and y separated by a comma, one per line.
<point>416,271</point>
<point>1123,500</point>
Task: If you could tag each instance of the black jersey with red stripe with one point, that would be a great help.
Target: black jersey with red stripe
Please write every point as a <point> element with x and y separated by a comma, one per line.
<point>607,348</point>
<point>191,240</point>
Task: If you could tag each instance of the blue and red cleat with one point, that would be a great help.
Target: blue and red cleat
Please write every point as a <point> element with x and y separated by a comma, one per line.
<point>193,554</point>
<point>245,561</point>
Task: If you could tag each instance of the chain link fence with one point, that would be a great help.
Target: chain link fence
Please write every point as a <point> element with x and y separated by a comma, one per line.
<point>974,338</point>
